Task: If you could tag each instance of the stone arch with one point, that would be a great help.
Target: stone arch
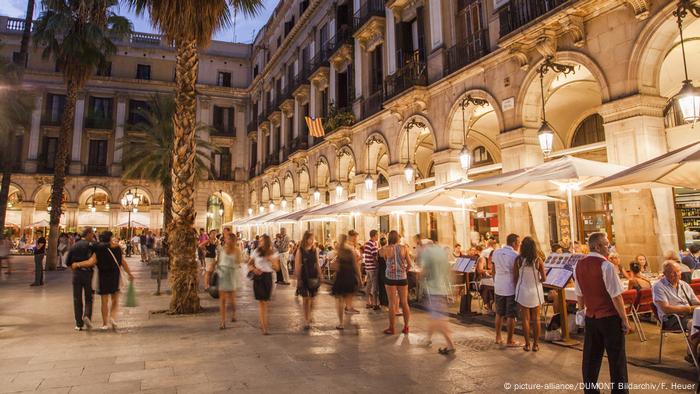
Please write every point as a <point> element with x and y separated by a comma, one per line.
<point>571,134</point>
<point>587,87</point>
<point>265,193</point>
<point>346,163</point>
<point>276,189</point>
<point>377,149</point>
<point>422,144</point>
<point>19,190</point>
<point>323,172</point>
<point>86,192</point>
<point>485,122</point>
<point>304,180</point>
<point>46,189</point>
<point>141,191</point>
<point>652,46</point>
<point>253,200</point>
<point>288,184</point>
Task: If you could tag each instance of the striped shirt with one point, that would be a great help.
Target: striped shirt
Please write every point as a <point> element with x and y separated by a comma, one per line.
<point>370,255</point>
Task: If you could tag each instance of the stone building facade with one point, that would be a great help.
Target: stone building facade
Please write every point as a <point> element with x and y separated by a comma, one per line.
<point>372,68</point>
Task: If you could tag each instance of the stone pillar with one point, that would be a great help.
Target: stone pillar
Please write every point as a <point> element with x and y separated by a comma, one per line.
<point>297,115</point>
<point>76,166</point>
<point>520,148</point>
<point>116,169</point>
<point>365,222</point>
<point>644,223</point>
<point>30,165</point>
<point>406,224</point>
<point>357,65</point>
<point>390,42</point>
<point>435,11</point>
<point>452,227</point>
<point>332,86</point>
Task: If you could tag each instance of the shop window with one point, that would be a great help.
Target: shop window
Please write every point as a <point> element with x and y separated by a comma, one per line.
<point>589,131</point>
<point>595,215</point>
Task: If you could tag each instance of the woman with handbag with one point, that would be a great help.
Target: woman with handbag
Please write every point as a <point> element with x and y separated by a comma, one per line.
<point>262,264</point>
<point>529,275</point>
<point>308,274</point>
<point>112,268</point>
<point>227,266</point>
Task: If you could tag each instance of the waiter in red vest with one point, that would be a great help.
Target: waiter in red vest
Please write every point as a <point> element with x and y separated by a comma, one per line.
<point>599,290</point>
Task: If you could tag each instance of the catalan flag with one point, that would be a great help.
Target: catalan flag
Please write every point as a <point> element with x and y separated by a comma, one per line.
<point>315,126</point>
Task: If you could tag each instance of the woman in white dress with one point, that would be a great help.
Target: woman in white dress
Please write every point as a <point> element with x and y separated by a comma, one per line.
<point>529,275</point>
<point>227,266</point>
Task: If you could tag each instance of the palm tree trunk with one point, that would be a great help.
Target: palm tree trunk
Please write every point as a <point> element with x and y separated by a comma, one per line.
<point>182,234</point>
<point>5,192</point>
<point>59,174</point>
<point>26,34</point>
<point>167,215</point>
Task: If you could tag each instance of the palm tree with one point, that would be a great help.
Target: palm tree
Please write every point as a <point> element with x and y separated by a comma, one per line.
<point>23,57</point>
<point>78,35</point>
<point>16,106</point>
<point>190,24</point>
<point>148,154</point>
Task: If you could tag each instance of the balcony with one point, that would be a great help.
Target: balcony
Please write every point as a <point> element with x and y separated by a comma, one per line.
<point>252,171</point>
<point>271,161</point>
<point>372,104</point>
<point>14,25</point>
<point>96,170</point>
<point>223,175</point>
<point>98,122</point>
<point>339,47</point>
<point>320,59</point>
<point>518,13</point>
<point>223,130</point>
<point>298,144</point>
<point>368,9</point>
<point>412,73</point>
<point>252,126</point>
<point>145,39</point>
<point>467,51</point>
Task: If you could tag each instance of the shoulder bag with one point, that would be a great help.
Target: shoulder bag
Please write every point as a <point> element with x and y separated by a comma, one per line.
<point>123,276</point>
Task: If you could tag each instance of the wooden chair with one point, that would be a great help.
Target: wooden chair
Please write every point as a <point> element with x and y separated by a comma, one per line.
<point>683,331</point>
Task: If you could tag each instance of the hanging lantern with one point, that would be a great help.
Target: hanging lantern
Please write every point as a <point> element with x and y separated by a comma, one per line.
<point>221,212</point>
<point>465,158</point>
<point>339,190</point>
<point>298,199</point>
<point>317,195</point>
<point>129,197</point>
<point>250,211</point>
<point>369,183</point>
<point>283,203</point>
<point>546,138</point>
<point>688,101</point>
<point>272,205</point>
<point>408,172</point>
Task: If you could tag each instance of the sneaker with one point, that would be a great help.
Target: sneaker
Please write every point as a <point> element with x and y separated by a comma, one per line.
<point>76,328</point>
<point>87,322</point>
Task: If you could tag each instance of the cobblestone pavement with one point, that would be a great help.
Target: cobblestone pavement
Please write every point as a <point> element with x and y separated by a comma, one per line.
<point>153,352</point>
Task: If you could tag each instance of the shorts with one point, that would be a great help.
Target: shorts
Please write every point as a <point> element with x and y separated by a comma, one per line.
<point>210,263</point>
<point>262,286</point>
<point>671,323</point>
<point>371,285</point>
<point>396,282</point>
<point>506,306</point>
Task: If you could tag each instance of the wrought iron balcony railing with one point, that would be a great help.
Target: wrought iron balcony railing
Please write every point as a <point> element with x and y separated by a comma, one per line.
<point>368,9</point>
<point>467,51</point>
<point>518,13</point>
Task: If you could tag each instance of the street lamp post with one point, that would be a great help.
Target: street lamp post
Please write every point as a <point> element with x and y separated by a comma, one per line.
<point>130,202</point>
<point>408,171</point>
<point>465,156</point>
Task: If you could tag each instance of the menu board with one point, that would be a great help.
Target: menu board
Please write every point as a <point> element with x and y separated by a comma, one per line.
<point>465,264</point>
<point>560,268</point>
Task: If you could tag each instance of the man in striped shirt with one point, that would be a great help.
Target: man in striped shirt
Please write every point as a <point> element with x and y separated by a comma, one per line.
<point>370,260</point>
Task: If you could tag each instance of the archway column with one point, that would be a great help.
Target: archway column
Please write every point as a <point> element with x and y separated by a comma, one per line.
<point>635,132</point>
<point>456,227</point>
<point>520,149</point>
<point>406,224</point>
<point>364,222</point>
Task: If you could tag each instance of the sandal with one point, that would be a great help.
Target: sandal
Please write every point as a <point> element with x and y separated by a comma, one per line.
<point>446,351</point>
<point>535,347</point>
<point>389,331</point>
<point>405,330</point>
<point>339,327</point>
<point>222,326</point>
<point>526,347</point>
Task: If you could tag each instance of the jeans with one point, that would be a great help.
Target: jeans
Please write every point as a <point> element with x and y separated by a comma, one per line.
<point>82,286</point>
<point>604,335</point>
<point>39,269</point>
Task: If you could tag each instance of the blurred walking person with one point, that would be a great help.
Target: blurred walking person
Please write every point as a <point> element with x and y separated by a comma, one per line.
<point>370,252</point>
<point>308,274</point>
<point>227,266</point>
<point>529,275</point>
<point>347,278</point>
<point>263,263</point>
<point>436,276</point>
<point>210,247</point>
<point>398,262</point>
<point>39,252</point>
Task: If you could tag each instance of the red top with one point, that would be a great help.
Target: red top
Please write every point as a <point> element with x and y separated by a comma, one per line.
<point>589,274</point>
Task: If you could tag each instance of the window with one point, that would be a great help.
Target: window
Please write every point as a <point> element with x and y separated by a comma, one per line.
<point>143,71</point>
<point>97,157</point>
<point>224,79</point>
<point>55,105</point>
<point>223,120</point>
<point>323,36</point>
<point>324,103</point>
<point>135,106</point>
<point>99,113</point>
<point>255,71</point>
<point>221,164</point>
<point>480,156</point>
<point>104,70</point>
<point>377,73</point>
<point>48,153</point>
<point>590,131</point>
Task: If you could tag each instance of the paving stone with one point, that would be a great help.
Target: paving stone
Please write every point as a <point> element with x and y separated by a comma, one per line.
<point>107,388</point>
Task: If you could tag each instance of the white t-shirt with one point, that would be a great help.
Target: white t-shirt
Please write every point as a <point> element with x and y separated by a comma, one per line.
<point>264,264</point>
<point>504,262</point>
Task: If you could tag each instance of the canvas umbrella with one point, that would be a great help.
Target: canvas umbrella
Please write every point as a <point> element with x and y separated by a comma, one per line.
<point>566,174</point>
<point>677,168</point>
